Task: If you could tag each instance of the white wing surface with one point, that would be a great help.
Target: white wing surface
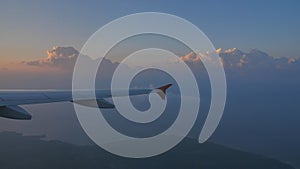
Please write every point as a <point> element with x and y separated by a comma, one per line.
<point>10,100</point>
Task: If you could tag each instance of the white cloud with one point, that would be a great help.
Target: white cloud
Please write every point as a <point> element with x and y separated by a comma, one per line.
<point>230,50</point>
<point>190,57</point>
<point>219,50</point>
<point>62,57</point>
<point>236,59</point>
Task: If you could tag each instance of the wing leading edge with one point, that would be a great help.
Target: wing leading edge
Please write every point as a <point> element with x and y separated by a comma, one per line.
<point>10,100</point>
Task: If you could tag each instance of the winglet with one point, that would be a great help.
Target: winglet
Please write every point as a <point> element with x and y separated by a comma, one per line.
<point>164,88</point>
<point>162,91</point>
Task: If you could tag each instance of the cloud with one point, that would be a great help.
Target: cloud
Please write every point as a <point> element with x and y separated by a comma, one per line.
<point>232,59</point>
<point>236,59</point>
<point>231,50</point>
<point>251,65</point>
<point>55,70</point>
<point>292,60</point>
<point>190,57</point>
<point>62,57</point>
<point>219,50</point>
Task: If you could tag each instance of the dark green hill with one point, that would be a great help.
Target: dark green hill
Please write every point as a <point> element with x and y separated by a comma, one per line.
<point>18,152</point>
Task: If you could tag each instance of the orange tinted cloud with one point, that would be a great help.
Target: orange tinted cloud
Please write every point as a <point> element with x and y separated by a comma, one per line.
<point>62,57</point>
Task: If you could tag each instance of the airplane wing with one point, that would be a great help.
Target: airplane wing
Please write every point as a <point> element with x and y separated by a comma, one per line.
<point>10,101</point>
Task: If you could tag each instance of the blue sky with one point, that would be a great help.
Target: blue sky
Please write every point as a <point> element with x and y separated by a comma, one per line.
<point>28,28</point>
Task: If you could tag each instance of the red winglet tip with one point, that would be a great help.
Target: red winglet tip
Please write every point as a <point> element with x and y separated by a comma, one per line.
<point>164,88</point>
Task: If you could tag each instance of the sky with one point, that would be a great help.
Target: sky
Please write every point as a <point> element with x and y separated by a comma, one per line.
<point>30,28</point>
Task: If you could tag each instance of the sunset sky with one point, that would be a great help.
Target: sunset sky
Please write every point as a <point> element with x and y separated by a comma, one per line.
<point>30,28</point>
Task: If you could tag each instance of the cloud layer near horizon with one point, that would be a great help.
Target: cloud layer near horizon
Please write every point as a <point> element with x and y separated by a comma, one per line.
<point>65,57</point>
<point>55,70</point>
